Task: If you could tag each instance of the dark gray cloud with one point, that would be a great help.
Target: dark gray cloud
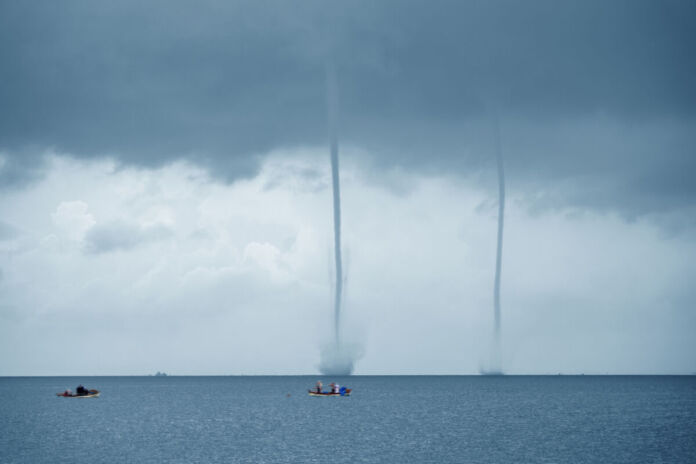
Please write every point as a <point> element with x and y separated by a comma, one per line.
<point>21,166</point>
<point>596,94</point>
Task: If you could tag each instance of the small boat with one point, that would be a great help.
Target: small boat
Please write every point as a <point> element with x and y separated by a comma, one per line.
<point>90,394</point>
<point>346,392</point>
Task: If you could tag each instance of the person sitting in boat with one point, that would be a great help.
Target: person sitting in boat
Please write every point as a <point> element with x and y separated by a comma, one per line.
<point>81,391</point>
<point>67,392</point>
<point>319,386</point>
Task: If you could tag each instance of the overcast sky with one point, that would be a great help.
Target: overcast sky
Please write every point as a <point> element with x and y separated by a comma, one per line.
<point>165,188</point>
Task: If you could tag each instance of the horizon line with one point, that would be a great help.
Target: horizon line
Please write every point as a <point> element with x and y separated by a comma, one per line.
<point>361,375</point>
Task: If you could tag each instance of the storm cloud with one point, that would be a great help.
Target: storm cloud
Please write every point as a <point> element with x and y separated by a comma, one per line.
<point>597,98</point>
<point>166,190</point>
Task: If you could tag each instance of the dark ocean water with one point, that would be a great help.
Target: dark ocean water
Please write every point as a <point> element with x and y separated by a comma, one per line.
<point>388,419</point>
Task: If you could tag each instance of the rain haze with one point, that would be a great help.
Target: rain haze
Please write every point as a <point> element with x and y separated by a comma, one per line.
<point>168,200</point>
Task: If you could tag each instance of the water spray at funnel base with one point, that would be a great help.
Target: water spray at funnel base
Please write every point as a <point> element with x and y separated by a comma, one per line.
<point>338,359</point>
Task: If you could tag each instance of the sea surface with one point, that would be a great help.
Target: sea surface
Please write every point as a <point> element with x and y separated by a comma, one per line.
<point>421,419</point>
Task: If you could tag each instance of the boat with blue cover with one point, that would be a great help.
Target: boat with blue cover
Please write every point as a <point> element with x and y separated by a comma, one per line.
<point>342,392</point>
